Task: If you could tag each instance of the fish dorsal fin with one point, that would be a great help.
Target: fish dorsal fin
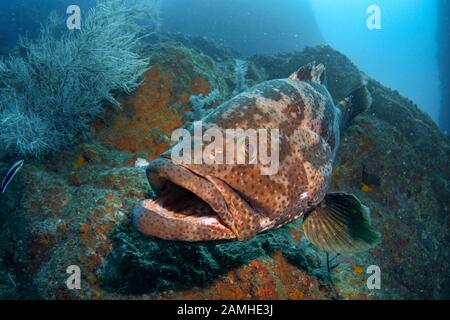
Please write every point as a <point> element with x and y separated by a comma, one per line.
<point>310,72</point>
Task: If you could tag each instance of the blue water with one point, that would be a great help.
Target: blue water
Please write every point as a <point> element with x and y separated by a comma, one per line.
<point>402,55</point>
<point>250,26</point>
<point>24,17</point>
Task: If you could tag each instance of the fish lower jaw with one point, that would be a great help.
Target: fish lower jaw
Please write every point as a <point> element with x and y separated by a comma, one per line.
<point>152,219</point>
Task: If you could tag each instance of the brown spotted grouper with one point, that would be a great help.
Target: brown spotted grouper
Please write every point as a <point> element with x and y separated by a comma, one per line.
<point>199,202</point>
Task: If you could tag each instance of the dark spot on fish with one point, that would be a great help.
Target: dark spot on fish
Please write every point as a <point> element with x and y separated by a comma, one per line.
<point>316,155</point>
<point>289,126</point>
<point>244,101</point>
<point>288,89</point>
<point>234,109</point>
<point>270,90</point>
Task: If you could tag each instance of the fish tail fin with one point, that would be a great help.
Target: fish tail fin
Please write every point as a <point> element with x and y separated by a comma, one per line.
<point>357,102</point>
<point>341,223</point>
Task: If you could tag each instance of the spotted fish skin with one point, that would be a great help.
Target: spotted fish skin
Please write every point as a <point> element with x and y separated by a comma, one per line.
<point>304,113</point>
<point>246,201</point>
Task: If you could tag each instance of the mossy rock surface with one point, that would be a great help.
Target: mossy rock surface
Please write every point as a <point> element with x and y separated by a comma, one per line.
<point>147,265</point>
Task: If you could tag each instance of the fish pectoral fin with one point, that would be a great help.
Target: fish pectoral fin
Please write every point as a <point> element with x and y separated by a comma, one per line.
<point>341,223</point>
<point>245,221</point>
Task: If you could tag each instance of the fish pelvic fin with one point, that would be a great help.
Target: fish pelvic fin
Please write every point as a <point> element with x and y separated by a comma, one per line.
<point>341,224</point>
<point>357,102</point>
<point>310,72</point>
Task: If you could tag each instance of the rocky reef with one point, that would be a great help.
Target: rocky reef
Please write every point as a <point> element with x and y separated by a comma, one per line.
<point>73,208</point>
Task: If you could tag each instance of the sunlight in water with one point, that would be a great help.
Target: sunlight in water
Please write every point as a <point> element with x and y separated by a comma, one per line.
<point>402,54</point>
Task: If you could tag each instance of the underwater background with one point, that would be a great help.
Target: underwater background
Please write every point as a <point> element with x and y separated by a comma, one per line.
<point>86,140</point>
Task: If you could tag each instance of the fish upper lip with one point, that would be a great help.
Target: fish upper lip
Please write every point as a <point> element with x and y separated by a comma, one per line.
<point>194,172</point>
<point>166,156</point>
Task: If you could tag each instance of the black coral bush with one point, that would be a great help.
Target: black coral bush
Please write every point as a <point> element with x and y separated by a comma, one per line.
<point>50,93</point>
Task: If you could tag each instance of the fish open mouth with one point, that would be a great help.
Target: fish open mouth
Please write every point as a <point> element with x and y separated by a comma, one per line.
<point>181,203</point>
<point>187,207</point>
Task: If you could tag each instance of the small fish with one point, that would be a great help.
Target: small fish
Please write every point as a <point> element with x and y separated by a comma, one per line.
<point>11,174</point>
<point>199,202</point>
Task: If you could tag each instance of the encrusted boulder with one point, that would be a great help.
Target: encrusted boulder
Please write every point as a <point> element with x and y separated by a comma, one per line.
<point>148,116</point>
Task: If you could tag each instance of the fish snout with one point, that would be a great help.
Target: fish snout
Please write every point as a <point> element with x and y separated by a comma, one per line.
<point>187,207</point>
